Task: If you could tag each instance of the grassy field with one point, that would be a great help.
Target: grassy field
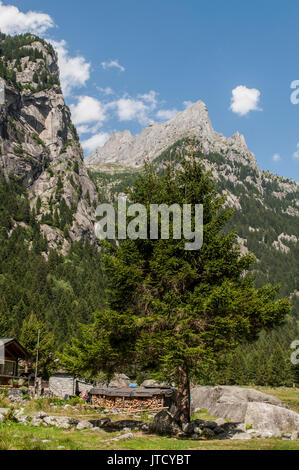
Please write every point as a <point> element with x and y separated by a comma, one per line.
<point>19,437</point>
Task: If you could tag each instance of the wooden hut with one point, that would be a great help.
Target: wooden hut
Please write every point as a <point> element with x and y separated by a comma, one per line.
<point>11,352</point>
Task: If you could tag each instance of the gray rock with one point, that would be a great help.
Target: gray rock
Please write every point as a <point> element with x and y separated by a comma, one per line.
<point>269,434</point>
<point>50,420</point>
<point>23,419</point>
<point>62,422</point>
<point>164,424</point>
<point>295,435</point>
<point>241,436</point>
<point>36,422</point>
<point>266,417</point>
<point>2,418</point>
<point>253,433</point>
<point>220,421</point>
<point>153,383</point>
<point>40,414</point>
<point>120,380</point>
<point>84,425</point>
<point>128,435</point>
<point>228,402</point>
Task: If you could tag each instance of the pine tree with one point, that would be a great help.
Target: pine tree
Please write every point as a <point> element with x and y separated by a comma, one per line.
<point>174,310</point>
<point>31,329</point>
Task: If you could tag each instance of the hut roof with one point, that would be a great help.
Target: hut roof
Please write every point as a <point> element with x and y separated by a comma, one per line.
<point>13,349</point>
<point>132,392</point>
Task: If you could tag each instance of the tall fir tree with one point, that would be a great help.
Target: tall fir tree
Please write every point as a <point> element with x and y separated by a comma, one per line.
<point>175,310</point>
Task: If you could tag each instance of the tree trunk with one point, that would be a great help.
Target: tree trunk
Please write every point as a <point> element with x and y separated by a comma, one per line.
<point>182,415</point>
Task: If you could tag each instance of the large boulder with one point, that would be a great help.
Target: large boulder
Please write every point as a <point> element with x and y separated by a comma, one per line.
<point>120,380</point>
<point>266,417</point>
<point>261,411</point>
<point>229,402</point>
<point>164,424</point>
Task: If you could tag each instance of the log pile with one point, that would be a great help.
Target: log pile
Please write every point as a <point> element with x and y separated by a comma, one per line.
<point>155,403</point>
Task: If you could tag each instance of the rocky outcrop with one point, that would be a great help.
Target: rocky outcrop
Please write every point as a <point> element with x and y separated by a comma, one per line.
<point>259,410</point>
<point>274,419</point>
<point>194,122</point>
<point>39,146</point>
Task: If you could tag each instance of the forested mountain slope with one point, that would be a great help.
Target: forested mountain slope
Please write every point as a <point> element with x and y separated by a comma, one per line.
<point>49,263</point>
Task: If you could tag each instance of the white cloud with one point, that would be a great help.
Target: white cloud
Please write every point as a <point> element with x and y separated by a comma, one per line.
<point>13,21</point>
<point>151,97</point>
<point>244,100</point>
<point>113,64</point>
<point>166,114</point>
<point>139,108</point>
<point>296,154</point>
<point>187,104</point>
<point>74,71</point>
<point>106,91</point>
<point>88,110</point>
<point>129,109</point>
<point>98,140</point>
<point>276,157</point>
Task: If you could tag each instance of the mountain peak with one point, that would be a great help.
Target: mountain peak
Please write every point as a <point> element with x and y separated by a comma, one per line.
<point>194,122</point>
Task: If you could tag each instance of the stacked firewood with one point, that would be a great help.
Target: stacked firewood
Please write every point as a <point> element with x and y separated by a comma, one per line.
<point>128,403</point>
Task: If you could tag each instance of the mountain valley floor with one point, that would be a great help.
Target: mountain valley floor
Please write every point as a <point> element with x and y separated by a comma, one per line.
<point>16,436</point>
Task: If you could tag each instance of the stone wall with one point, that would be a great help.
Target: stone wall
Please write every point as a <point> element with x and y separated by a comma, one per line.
<point>62,385</point>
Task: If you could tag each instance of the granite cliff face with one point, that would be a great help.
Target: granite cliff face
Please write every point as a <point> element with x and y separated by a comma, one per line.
<point>122,148</point>
<point>39,145</point>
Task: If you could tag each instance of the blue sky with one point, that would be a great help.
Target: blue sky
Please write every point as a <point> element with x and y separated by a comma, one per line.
<point>126,62</point>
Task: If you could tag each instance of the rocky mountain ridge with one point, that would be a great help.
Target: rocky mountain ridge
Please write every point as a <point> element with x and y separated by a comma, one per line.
<point>123,152</point>
<point>194,122</point>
